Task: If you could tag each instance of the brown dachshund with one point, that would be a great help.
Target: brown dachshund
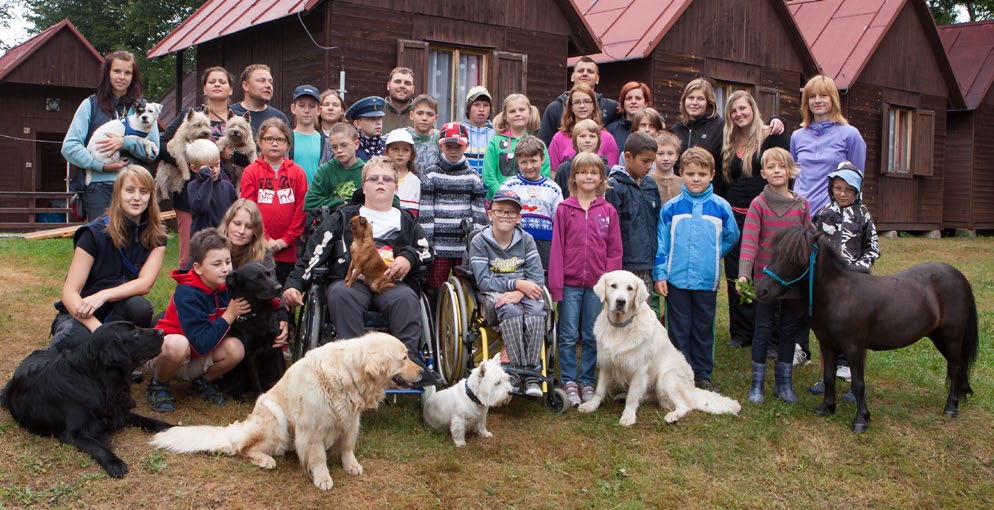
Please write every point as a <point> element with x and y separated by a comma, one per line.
<point>366,260</point>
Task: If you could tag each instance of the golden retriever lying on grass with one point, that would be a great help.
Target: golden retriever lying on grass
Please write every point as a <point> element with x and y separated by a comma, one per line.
<point>315,406</point>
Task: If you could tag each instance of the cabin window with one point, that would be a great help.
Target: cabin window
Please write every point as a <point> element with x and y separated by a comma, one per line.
<point>724,89</point>
<point>451,73</point>
<point>899,132</point>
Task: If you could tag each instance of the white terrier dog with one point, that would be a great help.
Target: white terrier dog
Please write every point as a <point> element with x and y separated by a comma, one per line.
<point>464,405</point>
<point>139,125</point>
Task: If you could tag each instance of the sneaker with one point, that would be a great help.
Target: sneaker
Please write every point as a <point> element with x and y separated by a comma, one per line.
<point>706,384</point>
<point>573,393</point>
<point>208,391</point>
<point>737,342</point>
<point>843,372</point>
<point>817,388</point>
<point>158,397</point>
<point>137,375</point>
<point>800,357</point>
<point>849,397</point>
<point>429,377</point>
<point>587,393</point>
<point>533,389</point>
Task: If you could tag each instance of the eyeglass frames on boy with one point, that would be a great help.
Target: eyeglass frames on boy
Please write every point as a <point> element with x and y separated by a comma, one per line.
<point>503,213</point>
<point>385,179</point>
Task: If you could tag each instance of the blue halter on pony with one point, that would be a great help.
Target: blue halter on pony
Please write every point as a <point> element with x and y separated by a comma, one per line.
<point>809,272</point>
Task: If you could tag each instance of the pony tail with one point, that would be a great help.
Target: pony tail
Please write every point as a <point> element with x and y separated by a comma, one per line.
<point>534,119</point>
<point>500,125</point>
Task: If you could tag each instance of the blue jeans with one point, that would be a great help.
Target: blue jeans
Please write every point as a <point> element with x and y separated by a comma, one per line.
<point>577,313</point>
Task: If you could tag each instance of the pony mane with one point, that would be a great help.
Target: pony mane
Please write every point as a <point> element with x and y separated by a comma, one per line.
<point>793,245</point>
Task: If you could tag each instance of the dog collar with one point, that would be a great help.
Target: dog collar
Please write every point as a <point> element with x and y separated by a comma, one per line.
<point>246,317</point>
<point>472,396</point>
<point>621,324</point>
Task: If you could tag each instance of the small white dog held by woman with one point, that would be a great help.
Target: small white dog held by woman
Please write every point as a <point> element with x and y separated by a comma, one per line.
<point>634,354</point>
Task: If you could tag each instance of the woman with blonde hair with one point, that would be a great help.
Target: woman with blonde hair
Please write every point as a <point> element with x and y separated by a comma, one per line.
<point>824,140</point>
<point>115,262</point>
<point>745,138</point>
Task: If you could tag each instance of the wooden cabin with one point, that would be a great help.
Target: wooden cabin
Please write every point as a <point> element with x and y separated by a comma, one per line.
<point>897,84</point>
<point>752,45</point>
<point>42,82</point>
<point>509,46</point>
<point>969,170</point>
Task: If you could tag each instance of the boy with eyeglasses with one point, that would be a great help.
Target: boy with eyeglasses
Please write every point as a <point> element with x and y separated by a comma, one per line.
<point>849,226</point>
<point>539,195</point>
<point>450,192</point>
<point>508,273</point>
<point>336,180</point>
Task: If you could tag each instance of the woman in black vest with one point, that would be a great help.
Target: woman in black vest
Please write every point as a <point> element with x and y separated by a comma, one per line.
<point>116,260</point>
<point>119,90</point>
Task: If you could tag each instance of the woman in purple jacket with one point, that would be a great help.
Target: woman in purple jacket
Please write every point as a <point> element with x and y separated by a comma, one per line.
<point>588,224</point>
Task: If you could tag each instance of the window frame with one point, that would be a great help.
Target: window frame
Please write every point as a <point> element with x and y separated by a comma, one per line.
<point>457,103</point>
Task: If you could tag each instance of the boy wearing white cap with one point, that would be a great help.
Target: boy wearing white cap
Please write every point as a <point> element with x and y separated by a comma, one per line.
<point>479,106</point>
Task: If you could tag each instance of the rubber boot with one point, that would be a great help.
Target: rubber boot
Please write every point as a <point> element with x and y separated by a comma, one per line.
<point>758,375</point>
<point>784,389</point>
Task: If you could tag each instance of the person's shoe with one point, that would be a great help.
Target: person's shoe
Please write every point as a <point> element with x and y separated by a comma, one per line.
<point>533,389</point>
<point>429,377</point>
<point>587,393</point>
<point>843,372</point>
<point>706,384</point>
<point>158,397</point>
<point>573,393</point>
<point>758,376</point>
<point>735,342</point>
<point>849,397</point>
<point>208,391</point>
<point>800,357</point>
<point>817,388</point>
<point>137,375</point>
<point>783,373</point>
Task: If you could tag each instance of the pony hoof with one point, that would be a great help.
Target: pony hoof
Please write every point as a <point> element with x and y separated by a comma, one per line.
<point>951,412</point>
<point>859,428</point>
<point>824,410</point>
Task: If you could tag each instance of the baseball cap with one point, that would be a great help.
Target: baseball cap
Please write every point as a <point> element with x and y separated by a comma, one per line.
<point>306,90</point>
<point>453,132</point>
<point>399,135</point>
<point>478,92</point>
<point>506,195</point>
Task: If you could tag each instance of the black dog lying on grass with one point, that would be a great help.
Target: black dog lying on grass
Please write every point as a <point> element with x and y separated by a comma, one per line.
<point>82,395</point>
<point>263,365</point>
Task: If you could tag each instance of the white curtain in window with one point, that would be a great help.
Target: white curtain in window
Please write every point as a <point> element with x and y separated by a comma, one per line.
<point>470,74</point>
<point>440,81</point>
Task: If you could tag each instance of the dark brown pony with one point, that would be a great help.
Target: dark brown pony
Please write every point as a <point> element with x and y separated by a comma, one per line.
<point>852,312</point>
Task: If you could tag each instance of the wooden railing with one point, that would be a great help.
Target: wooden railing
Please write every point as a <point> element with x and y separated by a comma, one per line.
<point>29,211</point>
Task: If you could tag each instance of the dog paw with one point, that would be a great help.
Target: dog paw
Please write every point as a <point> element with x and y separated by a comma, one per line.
<point>672,417</point>
<point>486,433</point>
<point>627,420</point>
<point>459,442</point>
<point>324,482</point>
<point>116,468</point>
<point>354,469</point>
<point>587,407</point>
<point>264,461</point>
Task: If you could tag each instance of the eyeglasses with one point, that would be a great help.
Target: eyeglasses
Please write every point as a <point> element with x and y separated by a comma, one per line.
<point>503,213</point>
<point>273,139</point>
<point>581,102</point>
<point>385,179</point>
<point>842,190</point>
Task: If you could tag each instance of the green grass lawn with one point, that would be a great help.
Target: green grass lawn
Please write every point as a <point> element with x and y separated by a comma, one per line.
<point>771,456</point>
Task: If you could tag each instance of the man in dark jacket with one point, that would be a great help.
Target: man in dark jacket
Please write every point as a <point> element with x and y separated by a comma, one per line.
<point>585,71</point>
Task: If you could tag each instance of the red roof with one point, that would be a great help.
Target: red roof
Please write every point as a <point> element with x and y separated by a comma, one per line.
<point>970,47</point>
<point>18,54</point>
<point>218,18</point>
<point>629,29</point>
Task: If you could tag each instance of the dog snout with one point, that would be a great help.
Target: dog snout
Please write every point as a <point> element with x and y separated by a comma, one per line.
<point>620,303</point>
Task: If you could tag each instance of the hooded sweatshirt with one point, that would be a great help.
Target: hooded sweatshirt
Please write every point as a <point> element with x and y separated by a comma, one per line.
<point>195,312</point>
<point>280,197</point>
<point>638,214</point>
<point>585,245</point>
<point>850,228</point>
<point>498,269</point>
<point>499,162</point>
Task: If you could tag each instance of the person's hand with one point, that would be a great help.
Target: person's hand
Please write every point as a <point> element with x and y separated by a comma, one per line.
<point>743,279</point>
<point>275,245</point>
<point>280,340</point>
<point>89,305</point>
<point>509,298</point>
<point>236,308</point>
<point>113,167</point>
<point>776,126</point>
<point>529,288</point>
<point>292,298</point>
<point>398,269</point>
<point>661,288</point>
<point>110,144</point>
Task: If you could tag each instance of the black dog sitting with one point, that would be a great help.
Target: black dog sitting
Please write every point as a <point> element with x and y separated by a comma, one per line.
<point>263,365</point>
<point>83,395</point>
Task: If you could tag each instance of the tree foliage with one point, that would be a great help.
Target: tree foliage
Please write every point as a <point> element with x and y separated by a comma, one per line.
<point>945,11</point>
<point>132,25</point>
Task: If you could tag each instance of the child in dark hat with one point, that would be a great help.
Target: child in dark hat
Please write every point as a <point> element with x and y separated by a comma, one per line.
<point>367,117</point>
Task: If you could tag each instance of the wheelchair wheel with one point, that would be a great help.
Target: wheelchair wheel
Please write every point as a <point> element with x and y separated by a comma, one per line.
<point>551,336</point>
<point>427,347</point>
<point>448,334</point>
<point>312,319</point>
<point>555,400</point>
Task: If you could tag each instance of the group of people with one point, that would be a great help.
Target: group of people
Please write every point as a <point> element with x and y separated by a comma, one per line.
<point>603,186</point>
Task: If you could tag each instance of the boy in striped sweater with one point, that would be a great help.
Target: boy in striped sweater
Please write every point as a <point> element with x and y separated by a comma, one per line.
<point>450,191</point>
<point>774,210</point>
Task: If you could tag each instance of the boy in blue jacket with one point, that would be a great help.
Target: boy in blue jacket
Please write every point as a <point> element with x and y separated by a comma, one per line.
<point>696,229</point>
<point>196,346</point>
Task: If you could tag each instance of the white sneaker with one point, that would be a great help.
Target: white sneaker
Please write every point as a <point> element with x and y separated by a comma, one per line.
<point>843,372</point>
<point>800,358</point>
<point>573,393</point>
<point>533,389</point>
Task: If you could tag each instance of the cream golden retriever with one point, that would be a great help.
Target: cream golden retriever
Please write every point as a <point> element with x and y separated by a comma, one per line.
<point>314,407</point>
<point>634,354</point>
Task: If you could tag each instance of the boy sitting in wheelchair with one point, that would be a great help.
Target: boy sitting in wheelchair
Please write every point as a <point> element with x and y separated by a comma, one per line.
<point>401,243</point>
<point>508,273</point>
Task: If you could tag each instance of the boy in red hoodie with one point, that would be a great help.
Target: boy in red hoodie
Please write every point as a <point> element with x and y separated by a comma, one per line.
<point>197,347</point>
